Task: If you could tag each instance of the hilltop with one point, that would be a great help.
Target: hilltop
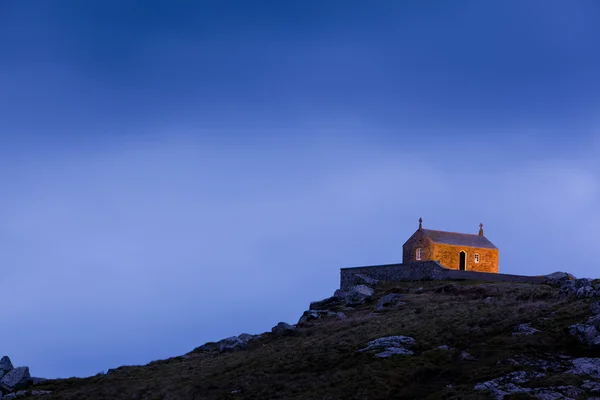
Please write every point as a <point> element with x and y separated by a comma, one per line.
<point>437,340</point>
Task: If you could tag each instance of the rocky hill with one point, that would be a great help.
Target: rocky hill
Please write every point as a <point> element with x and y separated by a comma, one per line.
<point>414,340</point>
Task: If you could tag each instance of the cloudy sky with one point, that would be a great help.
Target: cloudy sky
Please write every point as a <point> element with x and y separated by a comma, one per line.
<point>179,172</point>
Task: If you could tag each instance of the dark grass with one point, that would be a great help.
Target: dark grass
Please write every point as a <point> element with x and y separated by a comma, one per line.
<point>321,362</point>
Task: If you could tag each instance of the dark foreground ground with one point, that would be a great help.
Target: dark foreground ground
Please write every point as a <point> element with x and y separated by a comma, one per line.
<point>321,362</point>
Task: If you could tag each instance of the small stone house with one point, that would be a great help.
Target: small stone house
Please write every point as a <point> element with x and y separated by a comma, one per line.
<point>461,251</point>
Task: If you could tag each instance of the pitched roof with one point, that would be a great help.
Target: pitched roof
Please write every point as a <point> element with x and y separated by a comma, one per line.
<point>458,239</point>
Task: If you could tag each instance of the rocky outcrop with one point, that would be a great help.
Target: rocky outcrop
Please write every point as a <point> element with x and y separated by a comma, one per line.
<point>514,382</point>
<point>354,295</point>
<point>391,346</point>
<point>580,288</point>
<point>558,277</point>
<point>15,381</point>
<point>311,315</point>
<point>283,329</point>
<point>508,384</point>
<point>5,366</point>
<point>230,344</point>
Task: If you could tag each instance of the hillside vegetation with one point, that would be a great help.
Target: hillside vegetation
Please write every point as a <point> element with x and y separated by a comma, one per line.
<point>478,325</point>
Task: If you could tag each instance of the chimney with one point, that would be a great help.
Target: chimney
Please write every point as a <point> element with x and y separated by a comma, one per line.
<point>420,223</point>
<point>480,229</point>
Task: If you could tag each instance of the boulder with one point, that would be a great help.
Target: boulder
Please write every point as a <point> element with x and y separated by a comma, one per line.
<point>230,344</point>
<point>17,378</point>
<point>392,345</point>
<point>354,295</point>
<point>5,364</point>
<point>388,300</point>
<point>524,330</point>
<point>557,277</point>
<point>595,308</point>
<point>283,329</point>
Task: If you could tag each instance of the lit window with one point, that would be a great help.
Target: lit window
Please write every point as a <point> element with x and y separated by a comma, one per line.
<point>477,258</point>
<point>418,254</point>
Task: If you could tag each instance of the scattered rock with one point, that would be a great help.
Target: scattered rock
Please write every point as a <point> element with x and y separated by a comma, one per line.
<point>467,357</point>
<point>392,345</point>
<point>594,321</point>
<point>591,386</point>
<point>15,379</point>
<point>524,330</point>
<point>354,295</point>
<point>419,290</point>
<point>283,329</point>
<point>595,308</point>
<point>360,279</point>
<point>388,300</point>
<point>508,384</point>
<point>586,334</point>
<point>586,366</point>
<point>538,364</point>
<point>443,347</point>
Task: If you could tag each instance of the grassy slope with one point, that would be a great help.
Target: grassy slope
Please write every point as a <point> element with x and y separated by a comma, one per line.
<point>321,361</point>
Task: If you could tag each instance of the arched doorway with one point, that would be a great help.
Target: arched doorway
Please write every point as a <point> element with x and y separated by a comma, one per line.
<point>463,261</point>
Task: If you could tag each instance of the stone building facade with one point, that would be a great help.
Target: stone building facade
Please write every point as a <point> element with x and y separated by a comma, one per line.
<point>459,251</point>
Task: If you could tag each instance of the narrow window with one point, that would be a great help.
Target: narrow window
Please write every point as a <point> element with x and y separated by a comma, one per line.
<point>419,253</point>
<point>476,258</point>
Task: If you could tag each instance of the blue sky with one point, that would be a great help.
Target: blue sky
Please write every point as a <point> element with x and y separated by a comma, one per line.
<point>178,172</point>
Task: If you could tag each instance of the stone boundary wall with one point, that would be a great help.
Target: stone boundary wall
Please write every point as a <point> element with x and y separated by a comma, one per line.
<point>425,270</point>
